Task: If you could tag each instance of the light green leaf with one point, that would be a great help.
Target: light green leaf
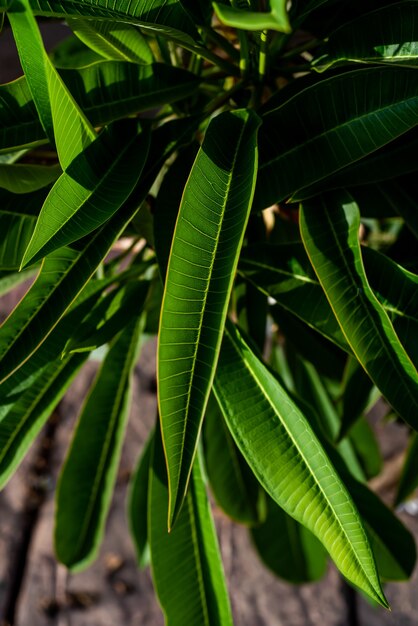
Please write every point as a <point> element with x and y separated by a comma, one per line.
<point>288,460</point>
<point>65,272</point>
<point>117,41</point>
<point>94,186</point>
<point>209,232</point>
<point>137,505</point>
<point>26,178</point>
<point>387,35</point>
<point>105,91</point>
<point>62,119</point>
<point>88,477</point>
<point>234,486</point>
<point>342,119</point>
<point>23,421</point>
<point>289,549</point>
<point>329,228</point>
<point>186,564</point>
<point>275,19</point>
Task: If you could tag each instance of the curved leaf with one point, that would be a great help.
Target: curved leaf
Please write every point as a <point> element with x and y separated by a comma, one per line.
<point>86,482</point>
<point>208,236</point>
<point>186,564</point>
<point>116,41</point>
<point>16,232</point>
<point>409,478</point>
<point>22,179</point>
<point>275,19</point>
<point>342,119</point>
<point>329,229</point>
<point>387,35</point>
<point>91,189</point>
<point>288,460</point>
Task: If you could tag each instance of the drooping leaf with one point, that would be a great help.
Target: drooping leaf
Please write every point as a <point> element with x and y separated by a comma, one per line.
<point>287,458</point>
<point>138,504</point>
<point>117,41</point>
<point>329,228</point>
<point>186,564</point>
<point>94,185</point>
<point>356,395</point>
<point>366,447</point>
<point>342,119</point>
<point>289,549</point>
<point>16,232</point>
<point>209,232</point>
<point>11,279</point>
<point>86,482</point>
<point>386,35</point>
<point>26,416</point>
<point>234,486</point>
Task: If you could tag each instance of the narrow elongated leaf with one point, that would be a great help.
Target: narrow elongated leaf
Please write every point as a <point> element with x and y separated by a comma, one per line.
<point>208,236</point>
<point>10,279</point>
<point>56,108</point>
<point>342,119</point>
<point>91,190</point>
<point>157,17</point>
<point>289,549</point>
<point>106,91</point>
<point>25,418</point>
<point>234,486</point>
<point>138,504</point>
<point>186,564</point>
<point>356,394</point>
<point>86,483</point>
<point>288,460</point>
<point>329,229</point>
<point>365,444</point>
<point>110,315</point>
<point>409,478</point>
<point>116,41</point>
<point>388,35</point>
<point>65,272</point>
<point>27,178</point>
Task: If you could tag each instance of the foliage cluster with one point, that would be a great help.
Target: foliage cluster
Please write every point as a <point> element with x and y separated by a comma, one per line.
<point>259,158</point>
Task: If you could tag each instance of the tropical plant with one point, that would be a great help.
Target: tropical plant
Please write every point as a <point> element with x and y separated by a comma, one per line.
<point>259,159</point>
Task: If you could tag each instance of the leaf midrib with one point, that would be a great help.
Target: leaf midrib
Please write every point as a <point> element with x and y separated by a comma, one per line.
<point>295,443</point>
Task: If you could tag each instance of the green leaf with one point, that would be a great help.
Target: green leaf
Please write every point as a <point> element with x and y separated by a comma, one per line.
<point>57,109</point>
<point>108,317</point>
<point>208,236</point>
<point>27,178</point>
<point>234,486</point>
<point>20,425</point>
<point>137,505</point>
<point>329,228</point>
<point>287,548</point>
<point>387,35</point>
<point>186,564</point>
<point>276,19</point>
<point>342,119</point>
<point>409,478</point>
<point>87,480</point>
<point>165,18</point>
<point>117,41</point>
<point>366,447</point>
<point>17,231</point>
<point>65,272</point>
<point>10,279</point>
<point>94,185</point>
<point>105,91</point>
<point>356,395</point>
<point>288,460</point>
